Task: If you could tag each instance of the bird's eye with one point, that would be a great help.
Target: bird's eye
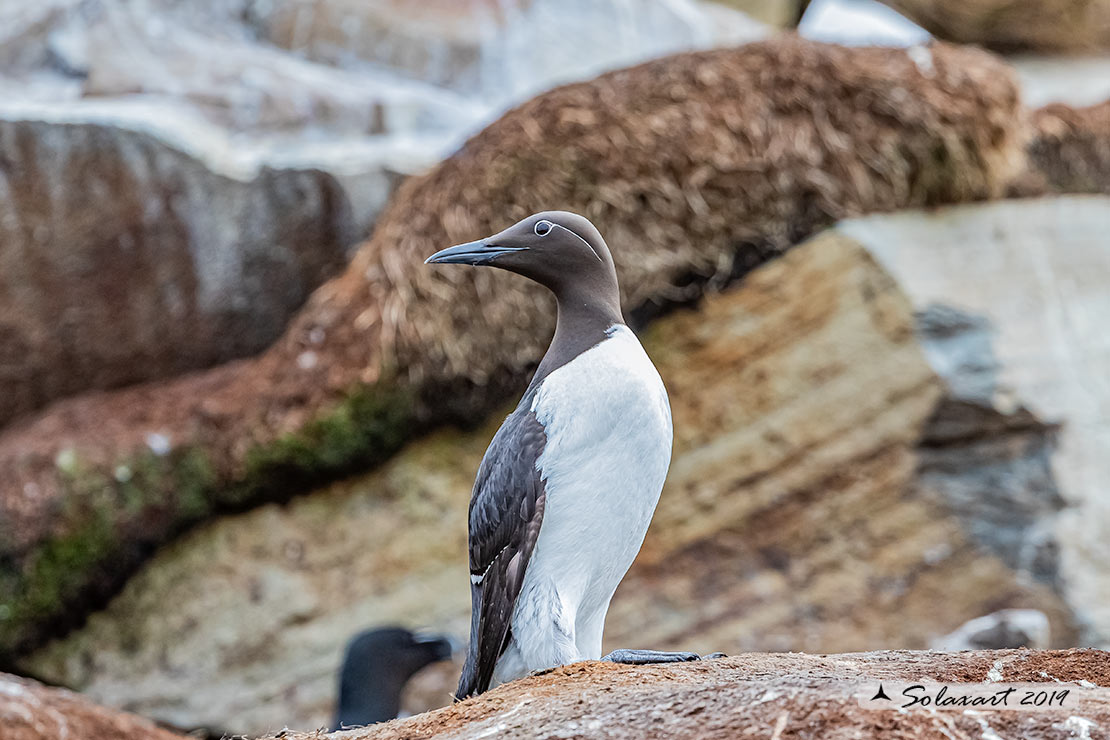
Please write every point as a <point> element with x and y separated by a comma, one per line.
<point>542,228</point>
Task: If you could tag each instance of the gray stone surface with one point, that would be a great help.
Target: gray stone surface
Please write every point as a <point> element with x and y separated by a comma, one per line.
<point>126,257</point>
<point>1036,272</point>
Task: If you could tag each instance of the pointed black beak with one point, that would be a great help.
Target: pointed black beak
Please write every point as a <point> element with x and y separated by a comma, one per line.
<point>471,253</point>
<point>443,647</point>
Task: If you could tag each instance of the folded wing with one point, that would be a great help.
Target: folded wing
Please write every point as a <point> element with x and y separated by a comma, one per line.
<point>506,510</point>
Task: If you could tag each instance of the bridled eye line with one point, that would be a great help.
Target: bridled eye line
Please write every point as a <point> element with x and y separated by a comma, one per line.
<point>550,225</point>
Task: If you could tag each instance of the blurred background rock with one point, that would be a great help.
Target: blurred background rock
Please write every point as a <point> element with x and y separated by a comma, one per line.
<point>239,419</point>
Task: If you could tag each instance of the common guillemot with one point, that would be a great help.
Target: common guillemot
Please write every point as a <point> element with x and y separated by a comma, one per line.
<point>568,486</point>
<point>377,665</point>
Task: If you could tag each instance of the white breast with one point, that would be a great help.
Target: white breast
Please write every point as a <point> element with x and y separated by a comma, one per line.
<point>608,425</point>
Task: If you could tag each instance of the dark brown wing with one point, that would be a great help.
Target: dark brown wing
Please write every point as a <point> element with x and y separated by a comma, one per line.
<point>506,509</point>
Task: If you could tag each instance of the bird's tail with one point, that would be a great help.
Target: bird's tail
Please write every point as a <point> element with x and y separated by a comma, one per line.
<point>470,680</point>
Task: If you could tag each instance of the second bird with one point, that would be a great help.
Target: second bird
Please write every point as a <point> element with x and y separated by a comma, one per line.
<point>568,486</point>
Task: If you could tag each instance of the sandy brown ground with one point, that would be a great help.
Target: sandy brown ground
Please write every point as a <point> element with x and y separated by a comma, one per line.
<point>769,695</point>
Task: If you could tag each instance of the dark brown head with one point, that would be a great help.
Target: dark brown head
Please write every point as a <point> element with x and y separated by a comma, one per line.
<point>377,665</point>
<point>560,250</point>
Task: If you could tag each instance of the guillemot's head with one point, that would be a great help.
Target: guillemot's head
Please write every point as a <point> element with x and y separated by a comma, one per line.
<point>558,249</point>
<point>376,667</point>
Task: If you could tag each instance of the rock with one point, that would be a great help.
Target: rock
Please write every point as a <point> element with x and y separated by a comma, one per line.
<point>250,88</point>
<point>794,518</point>
<point>499,52</point>
<point>392,347</point>
<point>1004,25</point>
<point>127,257</point>
<point>1008,628</point>
<point>809,697</point>
<point>357,83</point>
<point>1034,285</point>
<point>777,13</point>
<point>1078,81</point>
<point>1071,149</point>
<point>31,711</point>
<point>860,23</point>
<point>25,32</point>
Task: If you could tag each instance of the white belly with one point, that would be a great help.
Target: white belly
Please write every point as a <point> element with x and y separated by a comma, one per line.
<point>608,425</point>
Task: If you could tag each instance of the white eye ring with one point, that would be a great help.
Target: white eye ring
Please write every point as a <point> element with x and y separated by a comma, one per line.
<point>543,227</point>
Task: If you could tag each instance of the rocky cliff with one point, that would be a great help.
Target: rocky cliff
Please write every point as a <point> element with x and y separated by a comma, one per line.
<point>391,347</point>
<point>864,458</point>
<point>175,184</point>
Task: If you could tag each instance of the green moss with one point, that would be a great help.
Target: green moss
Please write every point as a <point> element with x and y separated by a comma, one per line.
<point>368,426</point>
<point>36,592</point>
<point>107,519</point>
<point>60,567</point>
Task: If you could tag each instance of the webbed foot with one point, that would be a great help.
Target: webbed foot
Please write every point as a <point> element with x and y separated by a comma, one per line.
<point>646,657</point>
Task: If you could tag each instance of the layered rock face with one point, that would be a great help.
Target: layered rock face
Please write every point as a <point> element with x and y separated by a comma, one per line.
<point>392,347</point>
<point>836,485</point>
<point>125,259</point>
<point>31,711</point>
<point>1012,302</point>
<point>500,51</point>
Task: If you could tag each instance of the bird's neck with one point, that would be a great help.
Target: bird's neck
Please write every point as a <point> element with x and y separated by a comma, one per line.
<point>376,698</point>
<point>582,323</point>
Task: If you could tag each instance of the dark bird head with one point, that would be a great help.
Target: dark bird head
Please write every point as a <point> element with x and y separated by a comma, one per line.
<point>377,666</point>
<point>560,250</point>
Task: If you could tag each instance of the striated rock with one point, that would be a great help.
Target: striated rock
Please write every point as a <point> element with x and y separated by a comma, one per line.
<point>125,257</point>
<point>498,51</point>
<point>795,517</point>
<point>1071,148</point>
<point>247,87</point>
<point>1032,287</point>
<point>31,711</point>
<point>437,42</point>
<point>781,138</point>
<point>1005,25</point>
<point>765,695</point>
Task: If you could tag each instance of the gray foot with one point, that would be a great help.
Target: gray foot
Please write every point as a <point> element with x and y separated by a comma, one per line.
<point>645,657</point>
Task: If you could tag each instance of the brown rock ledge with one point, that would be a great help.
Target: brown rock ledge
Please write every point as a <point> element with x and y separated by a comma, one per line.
<point>31,711</point>
<point>776,695</point>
